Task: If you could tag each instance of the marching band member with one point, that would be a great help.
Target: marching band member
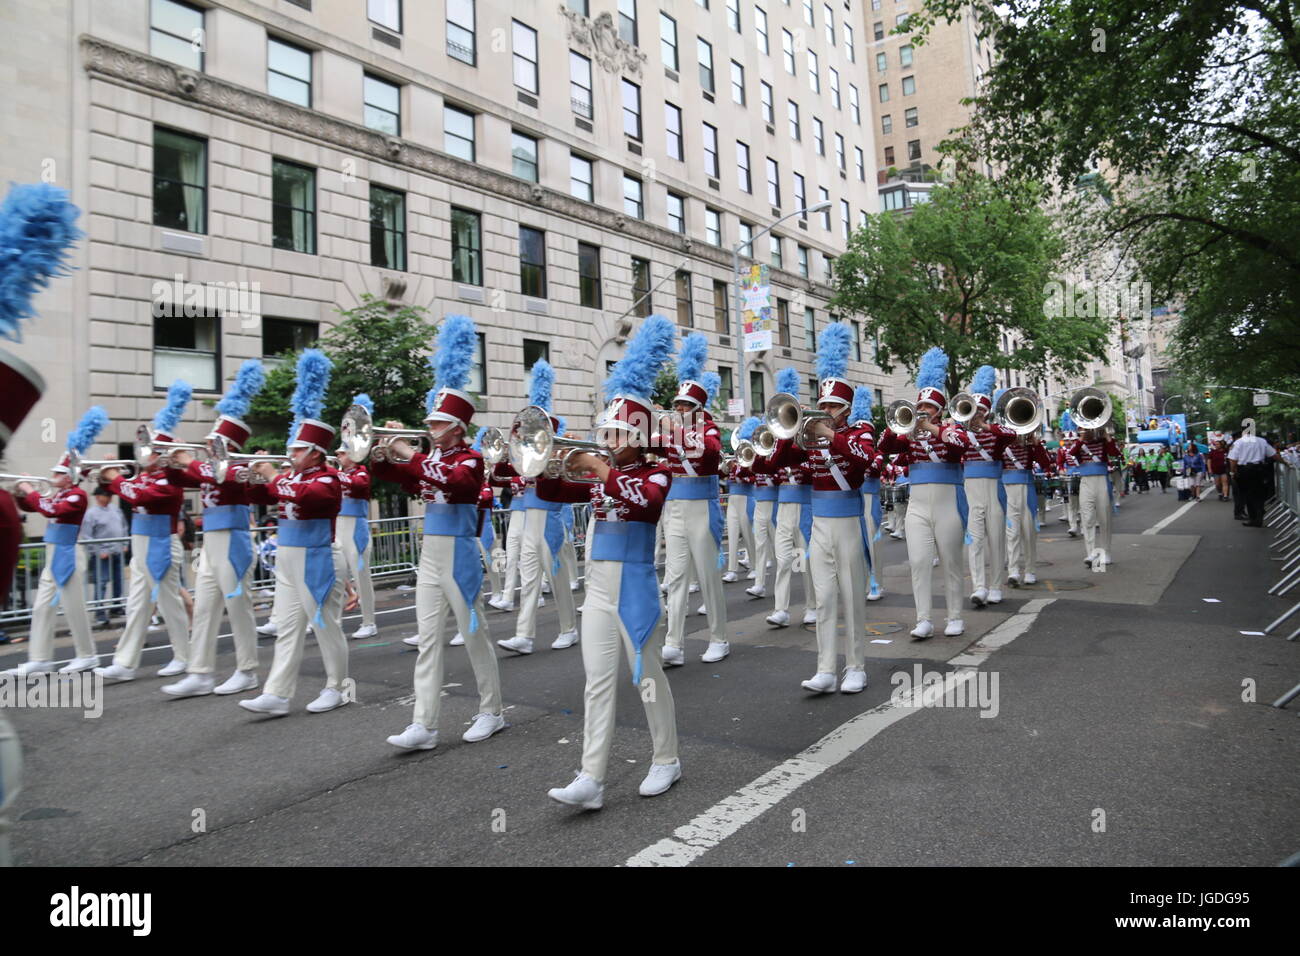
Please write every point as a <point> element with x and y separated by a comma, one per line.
<point>156,551</point>
<point>1018,461</point>
<point>309,573</point>
<point>544,535</point>
<point>449,479</point>
<point>1068,468</point>
<point>622,600</point>
<point>860,414</point>
<point>793,524</point>
<point>740,507</point>
<point>692,516</point>
<point>838,552</point>
<point>985,496</point>
<point>902,494</point>
<point>352,530</point>
<point>62,580</point>
<point>763,521</point>
<point>503,476</point>
<point>1094,449</point>
<point>226,559</point>
<point>486,532</point>
<point>936,512</point>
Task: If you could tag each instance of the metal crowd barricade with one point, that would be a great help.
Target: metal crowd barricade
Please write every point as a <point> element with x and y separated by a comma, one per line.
<point>1283,515</point>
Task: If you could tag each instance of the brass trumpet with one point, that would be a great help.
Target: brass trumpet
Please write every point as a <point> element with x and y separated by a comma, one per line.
<point>92,469</point>
<point>147,444</point>
<point>1090,407</point>
<point>746,453</point>
<point>362,439</point>
<point>223,459</point>
<point>1019,409</point>
<point>34,479</point>
<point>763,440</point>
<point>788,419</point>
<point>536,451</point>
<point>963,407</point>
<point>902,417</point>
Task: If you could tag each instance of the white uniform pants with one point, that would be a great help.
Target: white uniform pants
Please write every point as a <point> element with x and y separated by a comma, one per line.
<point>987,524</point>
<point>839,574</point>
<point>536,560</point>
<point>1072,507</point>
<point>1094,512</point>
<point>934,524</point>
<point>602,634</point>
<point>11,782</point>
<point>489,569</point>
<point>356,567</point>
<point>73,602</point>
<point>688,540</point>
<point>790,549</point>
<point>740,533</point>
<point>569,560</point>
<point>514,545</point>
<point>293,610</point>
<point>1022,538</point>
<point>435,592</point>
<point>868,503</point>
<point>140,605</point>
<point>764,541</point>
<point>586,548</point>
<point>216,579</point>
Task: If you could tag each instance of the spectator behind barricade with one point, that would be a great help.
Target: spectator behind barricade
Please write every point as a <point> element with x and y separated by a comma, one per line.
<point>1249,460</point>
<point>104,561</point>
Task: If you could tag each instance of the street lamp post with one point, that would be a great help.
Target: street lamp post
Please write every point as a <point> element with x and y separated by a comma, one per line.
<point>1164,406</point>
<point>743,382</point>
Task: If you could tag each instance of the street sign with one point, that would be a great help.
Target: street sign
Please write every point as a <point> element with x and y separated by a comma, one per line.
<point>1261,398</point>
<point>735,407</point>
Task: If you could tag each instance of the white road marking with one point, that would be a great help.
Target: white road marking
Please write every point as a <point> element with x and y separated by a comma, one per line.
<point>688,843</point>
<point>1170,519</point>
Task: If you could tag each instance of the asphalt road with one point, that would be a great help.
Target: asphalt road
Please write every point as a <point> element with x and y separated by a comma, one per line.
<point>1117,734</point>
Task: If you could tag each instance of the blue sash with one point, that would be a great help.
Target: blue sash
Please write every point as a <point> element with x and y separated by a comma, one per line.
<point>554,533</point>
<point>232,518</point>
<point>358,508</point>
<point>686,487</point>
<point>315,536</point>
<point>737,488</point>
<point>517,503</point>
<point>765,492</point>
<point>64,562</point>
<point>489,533</point>
<point>749,508</point>
<point>459,522</point>
<point>158,559</point>
<point>633,544</point>
<point>941,473</point>
<point>843,504</point>
<point>1092,468</point>
<point>871,486</point>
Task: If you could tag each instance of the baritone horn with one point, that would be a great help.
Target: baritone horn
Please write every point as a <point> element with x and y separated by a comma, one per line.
<point>362,439</point>
<point>536,451</point>
<point>763,441</point>
<point>963,407</point>
<point>902,417</point>
<point>1090,408</point>
<point>788,419</point>
<point>1019,409</point>
<point>746,453</point>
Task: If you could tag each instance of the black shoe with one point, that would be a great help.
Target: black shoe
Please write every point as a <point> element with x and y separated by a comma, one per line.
<point>1253,524</point>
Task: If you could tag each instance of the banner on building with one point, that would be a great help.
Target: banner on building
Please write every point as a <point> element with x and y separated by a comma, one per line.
<point>756,296</point>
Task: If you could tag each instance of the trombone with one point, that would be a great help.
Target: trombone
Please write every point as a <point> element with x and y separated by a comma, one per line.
<point>786,418</point>
<point>147,444</point>
<point>963,407</point>
<point>223,459</point>
<point>1090,408</point>
<point>1019,409</point>
<point>536,451</point>
<point>34,479</point>
<point>362,439</point>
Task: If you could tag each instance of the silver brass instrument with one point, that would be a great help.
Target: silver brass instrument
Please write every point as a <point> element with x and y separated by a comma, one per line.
<point>1019,409</point>
<point>361,438</point>
<point>902,417</point>
<point>1090,407</point>
<point>147,445</point>
<point>92,469</point>
<point>223,459</point>
<point>962,407</point>
<point>535,450</point>
<point>494,446</point>
<point>34,479</point>
<point>746,453</point>
<point>763,441</point>
<point>788,419</point>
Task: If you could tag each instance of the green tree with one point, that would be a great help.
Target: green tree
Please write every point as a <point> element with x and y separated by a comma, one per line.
<point>975,261</point>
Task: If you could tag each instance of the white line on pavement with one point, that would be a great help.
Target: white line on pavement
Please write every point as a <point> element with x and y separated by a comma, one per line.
<point>1170,519</point>
<point>688,843</point>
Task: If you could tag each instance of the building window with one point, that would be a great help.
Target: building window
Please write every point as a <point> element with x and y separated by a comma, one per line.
<point>882,62</point>
<point>886,123</point>
<point>627,21</point>
<point>640,287</point>
<point>387,229</point>
<point>880,398</point>
<point>828,264</point>
<point>676,213</point>
<point>705,55</point>
<point>839,152</point>
<point>783,321</point>
<point>757,390</point>
<point>819,136</point>
<point>589,276</point>
<point>878,29</point>
<point>914,150</point>
<point>580,84</point>
<point>685,311</point>
<point>458,132</point>
<point>792,108</point>
<point>293,207</point>
<point>909,85</point>
<point>711,166</point>
<point>765,94</point>
<point>387,13</point>
<point>668,41</point>
<point>834,76</point>
<point>383,111</point>
<point>580,177</point>
<point>889,156</point>
<point>774,247</point>
<point>803,261</point>
<point>721,321</point>
<point>808,13</point>
<point>466,246</point>
<point>727,386</point>
<point>742,167</point>
<point>859,162</point>
<point>800,198</point>
<point>288,72</point>
<point>737,83</point>
<point>910,118</point>
<point>187,348</point>
<point>631,109</point>
<point>673,127</point>
<point>284,337</point>
<point>633,204</point>
<point>828,21</point>
<point>176,33</point>
<point>849,50</point>
<point>814,78</point>
<point>883,90</point>
<point>478,378</point>
<point>525,56</point>
<point>523,152</point>
<point>535,349</point>
<point>823,196</point>
<point>532,262</point>
<point>905,55</point>
<point>846,219</point>
<point>460,31</point>
<point>773,182</point>
<point>787,51</point>
<point>746,233</point>
<point>733,14</point>
<point>180,181</point>
<point>900,20</point>
<point>857,339</point>
<point>810,329</point>
<point>854,107</point>
<point>713,226</point>
<point>760,28</point>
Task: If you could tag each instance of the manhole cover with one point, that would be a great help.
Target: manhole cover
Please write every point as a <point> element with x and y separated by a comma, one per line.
<point>876,628</point>
<point>1066,585</point>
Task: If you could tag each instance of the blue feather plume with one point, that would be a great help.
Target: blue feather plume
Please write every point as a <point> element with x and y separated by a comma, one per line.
<point>746,429</point>
<point>649,350</point>
<point>690,360</point>
<point>37,230</point>
<point>833,351</point>
<point>248,382</point>
<point>1067,422</point>
<point>986,377</point>
<point>997,395</point>
<point>933,371</point>
<point>541,385</point>
<point>712,383</point>
<point>563,425</point>
<point>88,429</point>
<point>169,416</point>
<point>862,405</point>
<point>478,440</point>
<point>313,381</point>
<point>787,380</point>
<point>454,352</point>
<point>432,393</point>
<point>365,401</point>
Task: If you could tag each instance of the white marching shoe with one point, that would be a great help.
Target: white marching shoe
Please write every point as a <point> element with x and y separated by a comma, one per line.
<point>502,603</point>
<point>995,596</point>
<point>415,737</point>
<point>660,778</point>
<point>702,609</point>
<point>716,651</point>
<point>663,587</point>
<point>1102,559</point>
<point>876,593</point>
<point>779,619</point>
<point>820,684</point>
<point>730,577</point>
<point>116,672</point>
<point>364,631</point>
<point>269,629</point>
<point>923,630</point>
<point>896,534</point>
<point>172,668</point>
<point>412,641</point>
<point>584,792</point>
<point>1013,580</point>
<point>79,664</point>
<point>566,639</point>
<point>483,727</point>
<point>1092,556</point>
<point>541,601</point>
<point>268,704</point>
<point>673,656</point>
<point>756,591</point>
<point>693,589</point>
<point>954,628</point>
<point>574,585</point>
<point>329,699</point>
<point>520,645</point>
<point>751,576</point>
<point>237,683</point>
<point>935,562</point>
<point>32,667</point>
<point>855,681</point>
<point>1031,578</point>
<point>810,616</point>
<point>191,685</point>
<point>980,597</point>
<point>458,640</point>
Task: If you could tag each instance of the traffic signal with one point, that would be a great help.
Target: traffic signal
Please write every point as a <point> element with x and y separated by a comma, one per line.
<point>1207,395</point>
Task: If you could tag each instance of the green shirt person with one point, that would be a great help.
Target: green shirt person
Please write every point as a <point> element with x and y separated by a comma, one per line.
<point>1165,461</point>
